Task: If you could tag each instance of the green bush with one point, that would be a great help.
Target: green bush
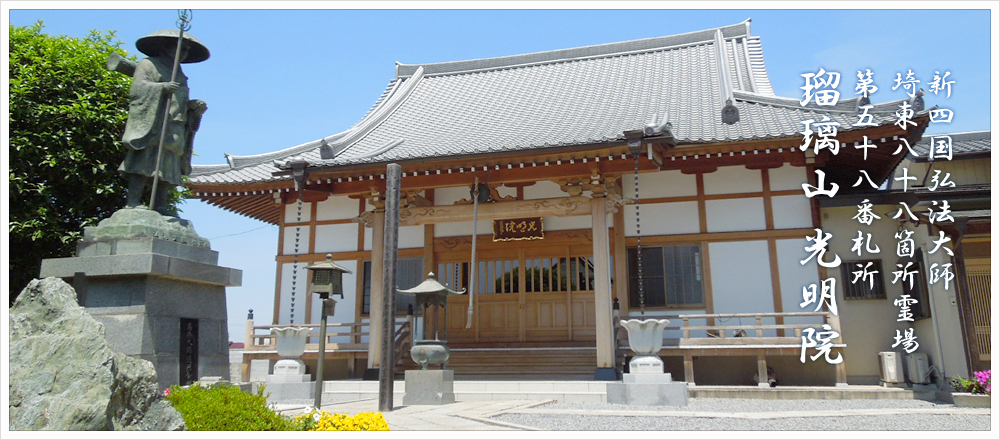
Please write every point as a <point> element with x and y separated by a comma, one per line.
<point>227,408</point>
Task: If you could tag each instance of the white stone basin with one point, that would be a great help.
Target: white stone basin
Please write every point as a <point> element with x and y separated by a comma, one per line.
<point>645,337</point>
<point>290,342</point>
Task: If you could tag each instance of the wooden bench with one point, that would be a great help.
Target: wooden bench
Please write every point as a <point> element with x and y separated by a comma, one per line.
<point>723,341</point>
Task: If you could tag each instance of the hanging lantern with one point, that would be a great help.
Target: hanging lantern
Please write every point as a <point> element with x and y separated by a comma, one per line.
<point>327,278</point>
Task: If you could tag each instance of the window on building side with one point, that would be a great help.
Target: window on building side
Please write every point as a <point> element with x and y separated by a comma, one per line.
<point>862,279</point>
<point>408,275</point>
<point>672,276</point>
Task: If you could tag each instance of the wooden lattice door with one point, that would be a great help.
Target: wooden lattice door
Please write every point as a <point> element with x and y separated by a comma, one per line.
<point>978,273</point>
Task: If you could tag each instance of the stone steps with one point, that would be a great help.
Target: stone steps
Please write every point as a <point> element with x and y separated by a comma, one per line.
<point>562,391</point>
<point>589,391</point>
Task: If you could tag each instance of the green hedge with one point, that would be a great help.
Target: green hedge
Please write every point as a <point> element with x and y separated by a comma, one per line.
<point>227,408</point>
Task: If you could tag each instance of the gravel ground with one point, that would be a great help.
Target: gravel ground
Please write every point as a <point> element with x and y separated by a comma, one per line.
<point>759,405</point>
<point>895,422</point>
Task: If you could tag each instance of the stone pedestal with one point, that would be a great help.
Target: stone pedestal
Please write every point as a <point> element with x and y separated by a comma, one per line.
<point>648,385</point>
<point>646,365</point>
<point>158,290</point>
<point>290,381</point>
<point>429,387</point>
<point>289,371</point>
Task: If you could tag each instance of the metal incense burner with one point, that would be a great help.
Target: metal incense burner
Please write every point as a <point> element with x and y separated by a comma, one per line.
<point>432,351</point>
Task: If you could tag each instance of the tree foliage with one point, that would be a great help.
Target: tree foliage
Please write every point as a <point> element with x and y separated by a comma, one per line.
<point>67,113</point>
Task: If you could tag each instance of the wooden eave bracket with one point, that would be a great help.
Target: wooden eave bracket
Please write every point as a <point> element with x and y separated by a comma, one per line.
<point>308,195</point>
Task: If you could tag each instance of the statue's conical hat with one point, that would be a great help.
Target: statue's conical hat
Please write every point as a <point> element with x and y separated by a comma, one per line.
<point>151,44</point>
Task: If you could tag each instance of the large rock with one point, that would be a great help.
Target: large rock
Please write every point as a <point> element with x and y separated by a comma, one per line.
<point>63,375</point>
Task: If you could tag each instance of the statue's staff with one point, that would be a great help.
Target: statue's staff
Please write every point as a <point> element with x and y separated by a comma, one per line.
<point>183,24</point>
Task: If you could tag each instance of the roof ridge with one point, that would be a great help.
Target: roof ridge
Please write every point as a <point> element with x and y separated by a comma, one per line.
<point>334,140</point>
<point>847,105</point>
<point>962,135</point>
<point>378,116</point>
<point>558,55</point>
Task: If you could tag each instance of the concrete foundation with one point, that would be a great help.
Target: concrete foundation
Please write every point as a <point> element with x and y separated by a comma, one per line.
<point>648,394</point>
<point>429,387</point>
<point>285,391</point>
<point>648,387</point>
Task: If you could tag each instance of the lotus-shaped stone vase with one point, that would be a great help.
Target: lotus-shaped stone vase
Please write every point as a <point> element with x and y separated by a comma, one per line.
<point>290,342</point>
<point>645,337</point>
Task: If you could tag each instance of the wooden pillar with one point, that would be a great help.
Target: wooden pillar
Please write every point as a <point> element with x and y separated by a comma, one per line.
<point>688,368</point>
<point>621,260</point>
<point>375,302</point>
<point>762,369</point>
<point>248,342</point>
<point>841,368</point>
<point>429,266</point>
<point>391,242</point>
<point>602,291</point>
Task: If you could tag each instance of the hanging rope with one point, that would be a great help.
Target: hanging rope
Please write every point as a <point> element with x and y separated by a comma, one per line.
<point>295,259</point>
<point>638,240</point>
<point>472,268</point>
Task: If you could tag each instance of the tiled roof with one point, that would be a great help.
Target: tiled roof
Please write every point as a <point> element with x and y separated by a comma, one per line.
<point>961,143</point>
<point>580,96</point>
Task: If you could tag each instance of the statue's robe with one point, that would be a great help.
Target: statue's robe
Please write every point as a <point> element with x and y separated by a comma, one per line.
<point>145,120</point>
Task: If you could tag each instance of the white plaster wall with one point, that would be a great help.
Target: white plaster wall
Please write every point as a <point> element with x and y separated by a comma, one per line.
<point>868,325</point>
<point>411,237</point>
<point>663,218</point>
<point>505,191</point>
<point>337,208</point>
<point>735,214</point>
<point>791,212</point>
<point>567,223</point>
<point>448,196</point>
<point>337,238</point>
<point>291,212</point>
<point>344,312</point>
<point>950,351</point>
<point>459,229</point>
<point>741,280</point>
<point>543,189</point>
<point>794,276</point>
<point>288,247</point>
<point>408,236</point>
<point>787,177</point>
<point>285,302</point>
<point>734,179</point>
<point>671,183</point>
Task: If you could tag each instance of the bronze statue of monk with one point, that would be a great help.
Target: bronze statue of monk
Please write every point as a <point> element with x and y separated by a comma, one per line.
<point>150,93</point>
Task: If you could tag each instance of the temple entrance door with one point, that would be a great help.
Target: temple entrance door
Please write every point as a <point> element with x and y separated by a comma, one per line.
<point>498,314</point>
<point>527,292</point>
<point>559,297</point>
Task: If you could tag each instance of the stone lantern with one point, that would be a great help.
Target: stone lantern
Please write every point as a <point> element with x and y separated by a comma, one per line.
<point>425,386</point>
<point>327,279</point>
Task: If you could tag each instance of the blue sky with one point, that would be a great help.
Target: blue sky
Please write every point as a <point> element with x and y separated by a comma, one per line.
<point>280,78</point>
